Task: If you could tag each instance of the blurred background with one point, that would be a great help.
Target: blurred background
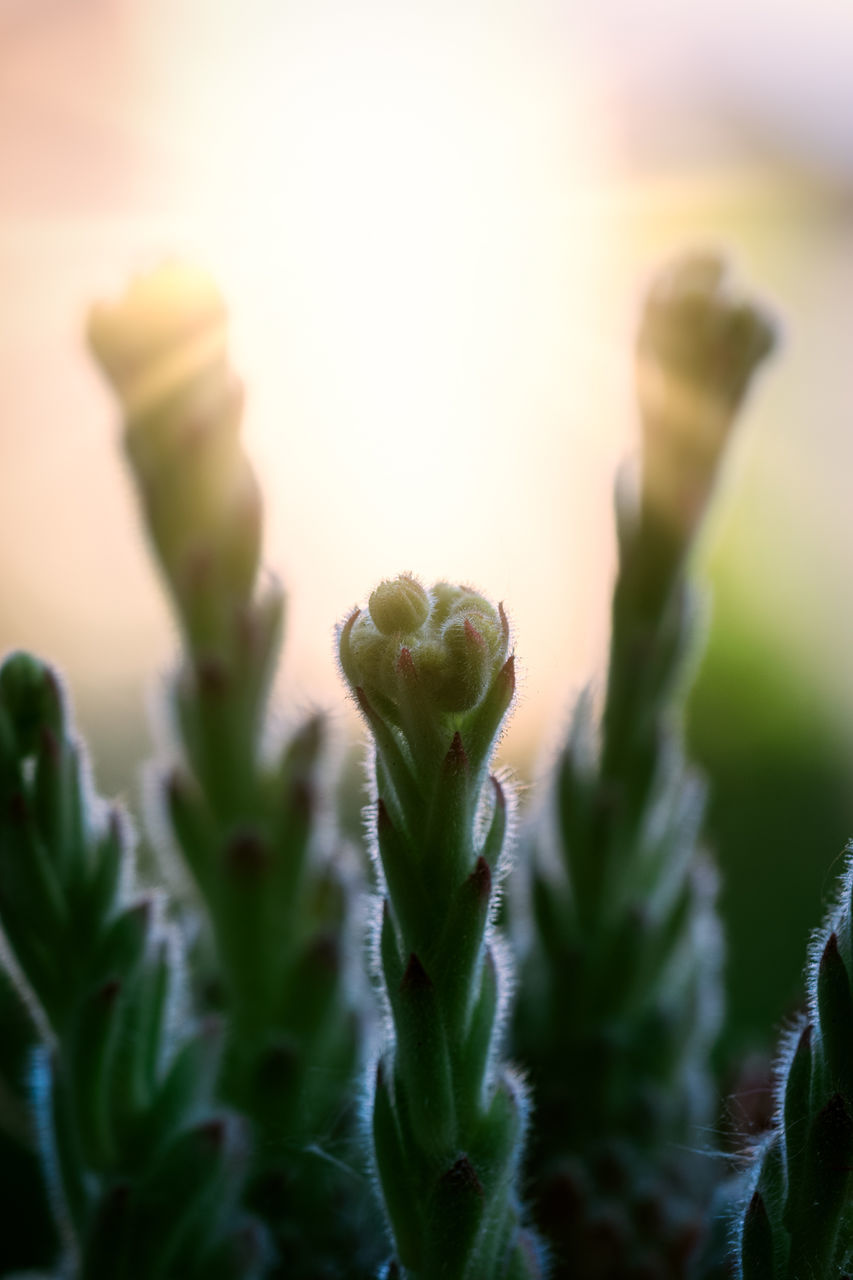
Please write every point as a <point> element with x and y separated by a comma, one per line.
<point>433,223</point>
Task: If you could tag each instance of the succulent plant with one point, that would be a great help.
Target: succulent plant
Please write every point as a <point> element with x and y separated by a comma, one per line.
<point>433,676</point>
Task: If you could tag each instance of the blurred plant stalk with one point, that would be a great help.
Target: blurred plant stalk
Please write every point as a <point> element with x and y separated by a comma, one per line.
<point>271,868</point>
<point>621,993</point>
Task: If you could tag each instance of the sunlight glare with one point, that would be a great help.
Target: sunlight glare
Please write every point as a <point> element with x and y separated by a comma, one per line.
<point>398,219</point>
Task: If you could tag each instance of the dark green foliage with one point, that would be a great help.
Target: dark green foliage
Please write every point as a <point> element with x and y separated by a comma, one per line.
<point>803,1172</point>
<point>780,785</point>
<point>143,1180</point>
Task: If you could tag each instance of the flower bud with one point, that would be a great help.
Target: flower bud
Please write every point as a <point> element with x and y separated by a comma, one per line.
<point>451,640</point>
<point>398,604</point>
<point>697,349</point>
<point>163,347</point>
<point>167,329</point>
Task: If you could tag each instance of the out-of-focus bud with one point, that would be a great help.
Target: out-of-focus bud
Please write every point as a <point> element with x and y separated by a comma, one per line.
<point>163,347</point>
<point>697,348</point>
<point>169,328</point>
<point>442,647</point>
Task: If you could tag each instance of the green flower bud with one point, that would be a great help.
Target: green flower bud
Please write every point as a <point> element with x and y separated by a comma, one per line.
<point>398,605</point>
<point>447,644</point>
<point>459,677</point>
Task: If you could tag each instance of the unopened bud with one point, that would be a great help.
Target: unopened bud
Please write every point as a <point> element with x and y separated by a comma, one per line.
<point>445,646</point>
<point>163,348</point>
<point>399,605</point>
<point>169,327</point>
<point>697,349</point>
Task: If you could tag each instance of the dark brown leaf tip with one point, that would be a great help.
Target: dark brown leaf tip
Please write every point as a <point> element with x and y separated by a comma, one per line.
<point>363,703</point>
<point>383,817</point>
<point>49,745</point>
<point>212,677</point>
<point>456,760</point>
<point>18,809</point>
<point>324,954</point>
<point>115,825</point>
<point>462,1176</point>
<point>247,856</point>
<point>213,1133</point>
<point>303,799</point>
<point>109,992</point>
<point>480,880</point>
<point>416,978</point>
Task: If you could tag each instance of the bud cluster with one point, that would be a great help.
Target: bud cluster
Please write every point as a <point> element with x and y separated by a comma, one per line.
<point>451,638</point>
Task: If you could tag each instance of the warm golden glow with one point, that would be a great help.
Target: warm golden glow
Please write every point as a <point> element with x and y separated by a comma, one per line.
<point>432,264</point>
<point>398,208</point>
<point>402,222</point>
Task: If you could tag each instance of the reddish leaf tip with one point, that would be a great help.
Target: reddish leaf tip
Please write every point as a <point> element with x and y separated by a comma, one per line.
<point>406,664</point>
<point>213,1132</point>
<point>18,808</point>
<point>383,817</point>
<point>49,745</point>
<point>456,760</point>
<point>462,1176</point>
<point>109,991</point>
<point>211,677</point>
<point>480,880</point>
<point>363,704</point>
<point>474,636</point>
<point>416,977</point>
<point>247,855</point>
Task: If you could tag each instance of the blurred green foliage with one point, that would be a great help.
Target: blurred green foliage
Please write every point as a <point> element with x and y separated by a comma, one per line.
<point>780,814</point>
